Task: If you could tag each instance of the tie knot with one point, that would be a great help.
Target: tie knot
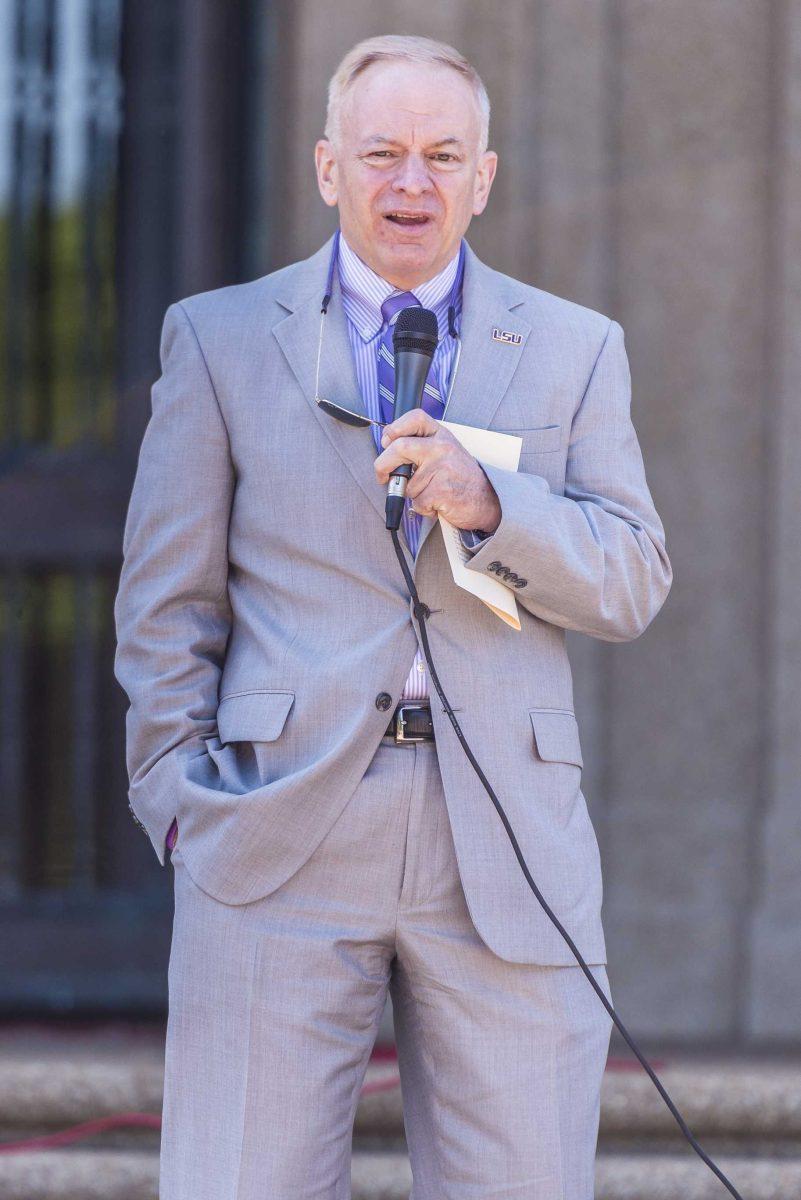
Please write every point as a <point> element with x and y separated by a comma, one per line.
<point>393,305</point>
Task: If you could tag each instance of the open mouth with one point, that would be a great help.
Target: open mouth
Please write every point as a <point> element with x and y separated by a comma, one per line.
<point>408,220</point>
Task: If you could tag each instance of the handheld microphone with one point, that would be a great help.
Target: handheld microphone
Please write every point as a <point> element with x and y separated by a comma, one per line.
<point>414,341</point>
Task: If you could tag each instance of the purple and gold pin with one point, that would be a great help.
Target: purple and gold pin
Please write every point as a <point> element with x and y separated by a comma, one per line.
<point>505,336</point>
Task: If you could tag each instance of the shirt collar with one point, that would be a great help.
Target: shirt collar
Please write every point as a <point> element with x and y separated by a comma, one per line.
<point>364,291</point>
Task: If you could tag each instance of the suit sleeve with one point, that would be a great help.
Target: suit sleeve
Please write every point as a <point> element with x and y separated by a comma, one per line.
<point>171,610</point>
<point>594,559</point>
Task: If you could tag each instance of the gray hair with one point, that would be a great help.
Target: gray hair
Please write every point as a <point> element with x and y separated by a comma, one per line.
<point>396,47</point>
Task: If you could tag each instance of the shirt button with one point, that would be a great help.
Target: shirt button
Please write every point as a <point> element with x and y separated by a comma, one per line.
<point>421,667</point>
<point>383,701</point>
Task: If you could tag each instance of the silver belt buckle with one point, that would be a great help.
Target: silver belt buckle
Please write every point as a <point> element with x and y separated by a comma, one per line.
<point>400,725</point>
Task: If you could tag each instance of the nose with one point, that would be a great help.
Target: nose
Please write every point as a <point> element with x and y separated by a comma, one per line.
<point>412,176</point>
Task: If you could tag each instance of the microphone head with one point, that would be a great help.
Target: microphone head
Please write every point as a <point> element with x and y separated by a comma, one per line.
<point>416,329</point>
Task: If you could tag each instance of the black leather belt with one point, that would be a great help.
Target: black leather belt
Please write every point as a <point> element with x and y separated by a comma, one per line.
<point>411,722</point>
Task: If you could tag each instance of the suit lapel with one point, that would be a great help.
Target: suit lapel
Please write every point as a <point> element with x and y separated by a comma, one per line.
<point>485,368</point>
<point>298,336</point>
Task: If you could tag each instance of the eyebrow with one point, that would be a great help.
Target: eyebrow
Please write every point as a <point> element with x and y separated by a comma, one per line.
<point>381,138</point>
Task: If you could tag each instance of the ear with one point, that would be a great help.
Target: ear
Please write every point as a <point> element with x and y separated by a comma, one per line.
<point>485,173</point>
<point>326,167</point>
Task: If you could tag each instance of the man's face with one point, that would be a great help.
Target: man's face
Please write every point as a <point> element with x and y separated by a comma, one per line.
<point>405,171</point>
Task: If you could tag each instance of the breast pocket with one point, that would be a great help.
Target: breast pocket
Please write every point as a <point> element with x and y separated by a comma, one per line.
<point>537,439</point>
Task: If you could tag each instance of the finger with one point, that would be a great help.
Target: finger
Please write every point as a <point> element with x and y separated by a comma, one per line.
<point>415,423</point>
<point>420,479</point>
<point>406,449</point>
<point>424,499</point>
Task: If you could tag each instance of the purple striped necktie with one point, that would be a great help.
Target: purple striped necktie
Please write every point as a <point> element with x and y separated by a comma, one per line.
<point>432,401</point>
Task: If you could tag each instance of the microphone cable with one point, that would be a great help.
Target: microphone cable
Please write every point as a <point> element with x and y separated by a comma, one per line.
<point>422,612</point>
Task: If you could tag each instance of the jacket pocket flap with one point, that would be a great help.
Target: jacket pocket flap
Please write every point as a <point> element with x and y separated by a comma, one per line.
<point>556,735</point>
<point>253,716</point>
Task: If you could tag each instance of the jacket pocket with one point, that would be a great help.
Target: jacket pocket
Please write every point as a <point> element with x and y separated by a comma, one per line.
<point>556,735</point>
<point>257,716</point>
<point>537,440</point>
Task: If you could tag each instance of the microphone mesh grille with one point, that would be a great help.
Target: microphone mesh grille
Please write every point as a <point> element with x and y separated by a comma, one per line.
<point>416,329</point>
<point>417,320</point>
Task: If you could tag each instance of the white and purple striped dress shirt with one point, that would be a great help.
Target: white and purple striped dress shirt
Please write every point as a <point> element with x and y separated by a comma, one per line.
<point>363,293</point>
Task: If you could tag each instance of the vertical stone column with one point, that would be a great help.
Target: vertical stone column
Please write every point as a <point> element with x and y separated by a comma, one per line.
<point>686,700</point>
<point>774,978</point>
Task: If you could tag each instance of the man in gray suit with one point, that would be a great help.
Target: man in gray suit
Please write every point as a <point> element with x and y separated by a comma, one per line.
<point>334,842</point>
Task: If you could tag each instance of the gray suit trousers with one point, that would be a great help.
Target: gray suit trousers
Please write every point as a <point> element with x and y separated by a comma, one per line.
<point>274,1007</point>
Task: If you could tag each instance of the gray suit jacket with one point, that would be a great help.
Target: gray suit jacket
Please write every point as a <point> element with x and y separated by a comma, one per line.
<point>261,610</point>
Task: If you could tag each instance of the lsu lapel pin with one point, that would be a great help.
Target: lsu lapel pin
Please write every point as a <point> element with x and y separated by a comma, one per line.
<point>503,335</point>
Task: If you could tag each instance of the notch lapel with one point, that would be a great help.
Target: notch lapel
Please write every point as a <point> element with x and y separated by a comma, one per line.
<point>298,336</point>
<point>486,366</point>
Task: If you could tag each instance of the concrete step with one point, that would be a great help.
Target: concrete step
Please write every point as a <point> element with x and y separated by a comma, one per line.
<point>131,1175</point>
<point>748,1103</point>
<point>746,1106</point>
<point>745,1112</point>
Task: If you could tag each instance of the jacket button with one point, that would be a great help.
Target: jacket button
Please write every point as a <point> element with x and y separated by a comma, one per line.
<point>521,583</point>
<point>383,701</point>
<point>493,566</point>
